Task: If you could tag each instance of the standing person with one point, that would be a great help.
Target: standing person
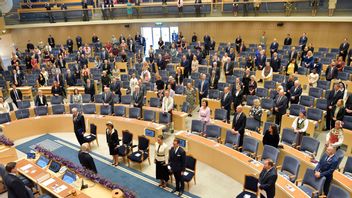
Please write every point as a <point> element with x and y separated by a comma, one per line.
<point>137,98</point>
<point>50,14</point>
<point>337,113</point>
<point>226,103</point>
<point>40,99</point>
<point>15,186</point>
<point>85,10</point>
<point>343,49</point>
<point>303,40</point>
<point>161,158</point>
<point>177,163</point>
<point>4,106</point>
<point>63,8</point>
<point>235,7</point>
<point>288,40</point>
<point>51,41</point>
<point>332,6</point>
<point>267,179</point>
<point>300,126</point>
<point>326,167</point>
<point>168,104</point>
<point>204,112</point>
<point>79,125</point>
<point>191,95</point>
<point>203,88</point>
<point>279,109</point>
<point>271,136</point>
<point>239,123</point>
<point>180,7</point>
<point>85,159</point>
<point>16,95</point>
<point>256,5</point>
<point>334,96</point>
<point>197,6</point>
<point>112,138</point>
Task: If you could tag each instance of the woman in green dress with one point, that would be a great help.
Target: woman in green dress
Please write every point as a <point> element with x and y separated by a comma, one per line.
<point>191,95</point>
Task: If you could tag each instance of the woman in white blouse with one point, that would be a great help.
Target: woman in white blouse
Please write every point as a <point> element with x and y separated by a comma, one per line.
<point>4,106</point>
<point>145,75</point>
<point>161,157</point>
<point>76,97</point>
<point>313,78</point>
<point>300,126</point>
<point>195,64</point>
<point>133,83</point>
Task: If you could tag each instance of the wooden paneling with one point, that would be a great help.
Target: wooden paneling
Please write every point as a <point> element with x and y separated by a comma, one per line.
<point>321,34</point>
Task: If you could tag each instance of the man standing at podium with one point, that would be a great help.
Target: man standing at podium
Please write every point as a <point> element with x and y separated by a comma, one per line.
<point>78,125</point>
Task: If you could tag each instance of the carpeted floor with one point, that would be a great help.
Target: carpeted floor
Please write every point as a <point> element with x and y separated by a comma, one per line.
<point>142,184</point>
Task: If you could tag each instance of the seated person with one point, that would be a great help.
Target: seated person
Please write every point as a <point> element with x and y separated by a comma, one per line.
<point>300,126</point>
<point>256,111</point>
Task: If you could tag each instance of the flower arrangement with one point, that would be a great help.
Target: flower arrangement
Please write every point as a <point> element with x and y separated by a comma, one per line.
<point>6,141</point>
<point>85,172</point>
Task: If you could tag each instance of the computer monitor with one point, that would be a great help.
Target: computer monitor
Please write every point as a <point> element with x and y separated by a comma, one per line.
<point>54,166</point>
<point>149,133</point>
<point>183,143</point>
<point>30,155</point>
<point>69,177</point>
<point>43,161</point>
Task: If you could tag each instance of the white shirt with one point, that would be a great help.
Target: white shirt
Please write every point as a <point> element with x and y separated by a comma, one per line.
<point>161,154</point>
<point>133,84</point>
<point>305,127</point>
<point>168,104</point>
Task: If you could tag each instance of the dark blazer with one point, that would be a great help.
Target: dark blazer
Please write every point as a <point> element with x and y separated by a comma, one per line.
<point>79,41</point>
<point>13,97</point>
<point>15,187</point>
<point>291,56</point>
<point>239,125</point>
<point>116,88</point>
<point>89,90</point>
<point>79,124</point>
<point>87,161</point>
<point>340,113</point>
<point>177,161</point>
<point>61,63</point>
<point>138,99</point>
<point>213,84</point>
<point>275,64</point>
<point>161,64</point>
<point>344,49</point>
<point>296,94</point>
<point>281,105</point>
<point>332,100</point>
<point>228,67</point>
<point>327,167</point>
<point>267,181</point>
<point>51,41</point>
<point>260,61</point>
<point>288,41</point>
<point>226,102</point>
<point>205,87</point>
<point>56,90</point>
<point>348,104</point>
<point>274,46</point>
<point>70,79</point>
<point>19,80</point>
<point>333,75</point>
<point>59,79</point>
<point>38,103</point>
<point>237,100</point>
<point>108,98</point>
<point>179,79</point>
<point>303,40</point>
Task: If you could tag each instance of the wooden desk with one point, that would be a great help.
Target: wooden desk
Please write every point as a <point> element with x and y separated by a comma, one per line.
<point>213,104</point>
<point>150,94</point>
<point>7,154</point>
<point>179,100</point>
<point>347,140</point>
<point>63,123</point>
<point>70,90</point>
<point>26,91</point>
<point>303,79</point>
<point>264,118</point>
<point>46,90</point>
<point>178,117</point>
<point>232,163</point>
<point>35,172</point>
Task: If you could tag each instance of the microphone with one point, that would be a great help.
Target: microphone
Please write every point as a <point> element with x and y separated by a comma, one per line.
<point>83,186</point>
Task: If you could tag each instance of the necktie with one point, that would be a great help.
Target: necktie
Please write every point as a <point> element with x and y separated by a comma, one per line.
<point>237,117</point>
<point>16,95</point>
<point>158,148</point>
<point>105,97</point>
<point>279,99</point>
<point>201,87</point>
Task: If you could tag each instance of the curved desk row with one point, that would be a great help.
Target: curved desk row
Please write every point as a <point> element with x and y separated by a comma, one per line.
<point>233,163</point>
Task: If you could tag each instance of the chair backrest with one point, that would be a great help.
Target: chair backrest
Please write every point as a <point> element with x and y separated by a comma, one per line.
<point>347,122</point>
<point>154,102</point>
<point>233,139</point>
<point>98,98</point>
<point>120,111</point>
<point>314,114</point>
<point>116,99</point>
<point>250,99</point>
<point>126,99</point>
<point>213,131</point>
<point>58,109</point>
<point>22,113</point>
<point>252,124</point>
<point>340,154</point>
<point>5,117</point>
<point>262,92</point>
<point>343,76</point>
<point>295,109</point>
<point>86,98</point>
<point>41,110</point>
<point>316,92</point>
<point>267,103</point>
<point>164,118</point>
<point>307,101</point>
<point>56,100</point>
<point>288,136</point>
<point>250,183</point>
<point>127,138</point>
<point>179,89</point>
<point>105,110</point>
<point>214,94</point>
<point>93,129</point>
<point>278,78</point>
<point>269,84</point>
<point>324,84</point>
<point>78,106</point>
<point>310,145</point>
<point>25,104</point>
<point>149,115</point>
<point>292,166</point>
<point>89,108</point>
<point>348,165</point>
<point>143,143</point>
<point>134,112</point>
<point>250,145</point>
<point>310,180</point>
<point>336,191</point>
<point>185,107</point>
<point>197,126</point>
<point>220,114</point>
<point>272,94</point>
<point>322,104</point>
<point>191,163</point>
<point>270,152</point>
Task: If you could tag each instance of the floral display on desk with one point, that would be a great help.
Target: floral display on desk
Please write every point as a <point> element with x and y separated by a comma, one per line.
<point>85,172</point>
<point>6,141</point>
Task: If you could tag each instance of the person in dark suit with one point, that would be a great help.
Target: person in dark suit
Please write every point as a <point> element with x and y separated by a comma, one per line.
<point>108,96</point>
<point>60,62</point>
<point>137,97</point>
<point>343,49</point>
<point>335,95</point>
<point>228,67</point>
<point>79,125</point>
<point>237,95</point>
<point>79,41</point>
<point>326,166</point>
<point>295,92</point>
<point>177,163</point>
<point>280,104</point>
<point>69,44</point>
<point>56,90</point>
<point>292,54</point>
<point>239,123</point>
<point>260,60</point>
<point>337,112</point>
<point>331,72</point>
<point>89,89</point>
<point>274,47</point>
<point>86,159</point>
<point>15,186</point>
<point>348,105</point>
<point>206,40</point>
<point>179,76</point>
<point>112,138</point>
<point>160,62</point>
<point>40,99</point>
<point>105,80</point>
<point>267,179</point>
<point>186,66</point>
<point>115,87</point>
<point>226,103</point>
<point>16,95</point>
<point>214,78</point>
<point>288,40</point>
<point>70,78</point>
<point>275,62</point>
<point>303,40</point>
<point>16,78</point>
<point>203,88</point>
<point>51,41</point>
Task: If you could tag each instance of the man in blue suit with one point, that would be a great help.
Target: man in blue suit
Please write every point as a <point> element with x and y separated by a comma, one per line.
<point>303,40</point>
<point>186,66</point>
<point>326,167</point>
<point>274,47</point>
<point>203,88</point>
<point>79,125</point>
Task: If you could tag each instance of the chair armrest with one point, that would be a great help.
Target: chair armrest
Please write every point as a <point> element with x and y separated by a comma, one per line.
<point>278,167</point>
<point>257,157</point>
<point>298,147</point>
<point>240,147</point>
<point>314,193</point>
<point>298,180</point>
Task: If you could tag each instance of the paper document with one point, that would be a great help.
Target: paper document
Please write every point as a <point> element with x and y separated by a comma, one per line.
<point>290,188</point>
<point>26,167</point>
<point>185,173</point>
<point>49,181</point>
<point>60,188</point>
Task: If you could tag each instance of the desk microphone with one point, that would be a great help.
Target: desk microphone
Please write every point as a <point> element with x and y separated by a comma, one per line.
<point>83,186</point>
